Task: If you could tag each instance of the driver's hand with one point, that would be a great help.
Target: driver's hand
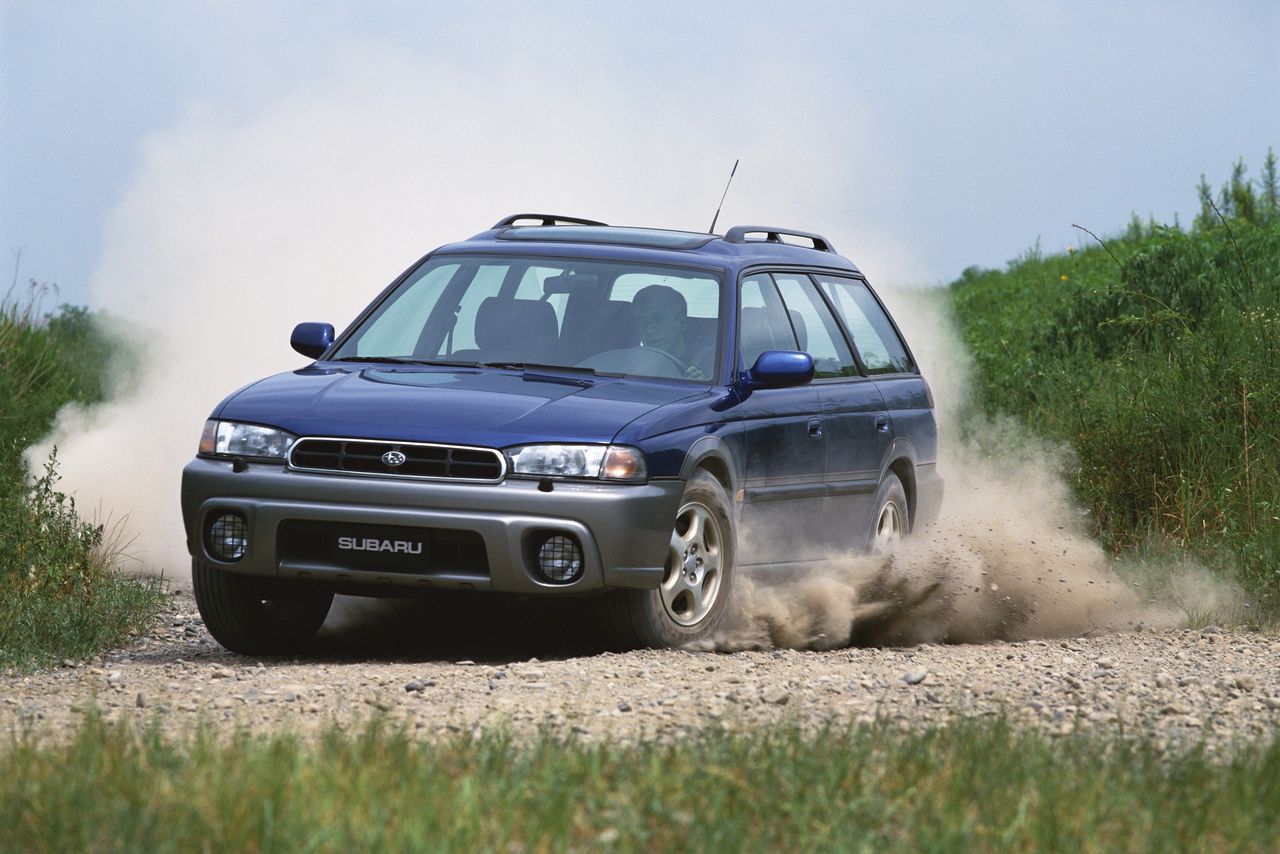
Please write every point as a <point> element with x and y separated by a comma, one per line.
<point>693,372</point>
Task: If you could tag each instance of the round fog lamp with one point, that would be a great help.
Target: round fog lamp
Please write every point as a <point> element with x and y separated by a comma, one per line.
<point>229,537</point>
<point>560,559</point>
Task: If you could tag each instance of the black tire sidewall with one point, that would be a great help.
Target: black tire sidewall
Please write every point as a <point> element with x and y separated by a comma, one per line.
<point>234,611</point>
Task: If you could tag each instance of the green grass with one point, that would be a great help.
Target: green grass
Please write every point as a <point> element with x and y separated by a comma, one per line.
<point>977,785</point>
<point>60,593</point>
<point>1155,358</point>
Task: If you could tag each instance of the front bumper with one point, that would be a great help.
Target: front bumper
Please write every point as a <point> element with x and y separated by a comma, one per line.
<point>624,529</point>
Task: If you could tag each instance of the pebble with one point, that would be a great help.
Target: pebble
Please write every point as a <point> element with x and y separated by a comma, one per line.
<point>776,696</point>
<point>1182,686</point>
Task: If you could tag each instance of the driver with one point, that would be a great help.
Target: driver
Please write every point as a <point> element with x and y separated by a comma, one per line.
<point>661,314</point>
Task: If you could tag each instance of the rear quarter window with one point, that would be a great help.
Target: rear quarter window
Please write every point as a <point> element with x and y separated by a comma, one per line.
<point>876,340</point>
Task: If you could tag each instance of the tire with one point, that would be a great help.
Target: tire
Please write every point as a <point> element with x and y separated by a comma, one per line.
<point>257,616</point>
<point>694,594</point>
<point>891,520</point>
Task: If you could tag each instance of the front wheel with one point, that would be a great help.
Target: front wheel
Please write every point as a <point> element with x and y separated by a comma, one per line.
<point>257,616</point>
<point>691,600</point>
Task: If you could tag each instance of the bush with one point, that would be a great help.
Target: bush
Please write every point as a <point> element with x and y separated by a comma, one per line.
<point>1155,357</point>
<point>60,592</point>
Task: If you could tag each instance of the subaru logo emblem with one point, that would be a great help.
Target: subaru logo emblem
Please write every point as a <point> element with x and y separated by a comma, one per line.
<point>392,459</point>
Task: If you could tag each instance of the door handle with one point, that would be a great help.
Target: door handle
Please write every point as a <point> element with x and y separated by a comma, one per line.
<point>815,428</point>
<point>882,423</point>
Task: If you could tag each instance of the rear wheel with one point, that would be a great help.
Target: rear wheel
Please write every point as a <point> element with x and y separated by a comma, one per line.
<point>892,519</point>
<point>691,601</point>
<point>257,616</point>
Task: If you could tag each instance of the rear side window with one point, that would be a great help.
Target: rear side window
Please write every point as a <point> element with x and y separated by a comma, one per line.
<point>762,320</point>
<point>873,334</point>
<point>815,328</point>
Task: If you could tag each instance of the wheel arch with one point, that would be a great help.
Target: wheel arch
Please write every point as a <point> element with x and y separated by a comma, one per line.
<point>710,453</point>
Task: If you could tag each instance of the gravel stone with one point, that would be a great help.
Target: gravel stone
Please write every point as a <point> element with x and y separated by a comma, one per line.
<point>1182,687</point>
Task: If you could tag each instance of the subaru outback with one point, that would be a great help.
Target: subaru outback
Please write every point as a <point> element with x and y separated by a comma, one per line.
<point>558,407</point>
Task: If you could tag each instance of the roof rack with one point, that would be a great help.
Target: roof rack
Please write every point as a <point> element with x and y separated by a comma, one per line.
<point>546,219</point>
<point>738,234</point>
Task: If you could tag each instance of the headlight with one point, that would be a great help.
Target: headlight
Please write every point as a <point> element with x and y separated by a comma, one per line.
<point>233,439</point>
<point>613,462</point>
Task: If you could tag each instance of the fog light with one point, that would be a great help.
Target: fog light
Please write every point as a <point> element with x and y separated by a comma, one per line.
<point>560,559</point>
<point>229,537</point>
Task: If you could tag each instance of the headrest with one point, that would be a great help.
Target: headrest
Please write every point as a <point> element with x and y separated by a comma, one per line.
<point>510,324</point>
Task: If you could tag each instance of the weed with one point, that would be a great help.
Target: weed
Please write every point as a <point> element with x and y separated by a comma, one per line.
<point>973,785</point>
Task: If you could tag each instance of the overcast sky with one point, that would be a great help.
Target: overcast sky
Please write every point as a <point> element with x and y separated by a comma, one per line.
<point>921,137</point>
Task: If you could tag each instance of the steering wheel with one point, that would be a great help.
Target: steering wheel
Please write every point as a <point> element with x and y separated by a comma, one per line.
<point>638,360</point>
<point>676,360</point>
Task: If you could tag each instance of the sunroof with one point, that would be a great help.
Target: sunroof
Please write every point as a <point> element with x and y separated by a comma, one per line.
<point>654,237</point>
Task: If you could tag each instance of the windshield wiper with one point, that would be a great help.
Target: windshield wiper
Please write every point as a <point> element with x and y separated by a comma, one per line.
<point>537,366</point>
<point>538,372</point>
<point>400,360</point>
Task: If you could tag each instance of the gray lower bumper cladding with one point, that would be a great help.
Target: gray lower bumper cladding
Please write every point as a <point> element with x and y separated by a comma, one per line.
<point>480,536</point>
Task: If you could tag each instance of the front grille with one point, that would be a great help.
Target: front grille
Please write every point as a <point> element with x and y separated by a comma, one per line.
<point>437,462</point>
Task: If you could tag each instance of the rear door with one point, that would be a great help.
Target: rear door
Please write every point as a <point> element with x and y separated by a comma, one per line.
<point>856,422</point>
<point>885,359</point>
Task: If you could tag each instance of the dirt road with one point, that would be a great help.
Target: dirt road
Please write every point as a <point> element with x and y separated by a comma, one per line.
<point>441,673</point>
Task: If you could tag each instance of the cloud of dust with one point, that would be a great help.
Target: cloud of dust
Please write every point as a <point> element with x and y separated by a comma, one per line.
<point>241,223</point>
<point>1009,558</point>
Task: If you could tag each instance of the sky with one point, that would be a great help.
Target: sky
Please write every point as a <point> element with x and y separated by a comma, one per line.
<point>921,137</point>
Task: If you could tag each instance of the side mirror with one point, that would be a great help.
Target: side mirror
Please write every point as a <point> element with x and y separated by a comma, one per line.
<point>781,369</point>
<point>312,339</point>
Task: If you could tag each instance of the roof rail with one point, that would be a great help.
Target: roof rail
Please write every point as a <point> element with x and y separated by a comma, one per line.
<point>545,219</point>
<point>738,234</point>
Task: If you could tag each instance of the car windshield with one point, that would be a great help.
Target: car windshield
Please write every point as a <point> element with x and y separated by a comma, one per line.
<point>605,316</point>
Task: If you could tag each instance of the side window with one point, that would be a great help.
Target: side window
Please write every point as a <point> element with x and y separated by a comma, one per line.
<point>877,341</point>
<point>815,327</point>
<point>762,320</point>
<point>395,333</point>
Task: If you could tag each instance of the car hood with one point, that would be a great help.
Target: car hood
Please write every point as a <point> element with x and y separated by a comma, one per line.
<point>488,408</point>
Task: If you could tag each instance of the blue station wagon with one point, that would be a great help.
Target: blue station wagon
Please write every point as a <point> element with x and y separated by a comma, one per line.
<point>558,407</point>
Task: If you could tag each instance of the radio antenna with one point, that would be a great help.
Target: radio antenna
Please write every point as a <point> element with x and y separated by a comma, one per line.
<point>712,229</point>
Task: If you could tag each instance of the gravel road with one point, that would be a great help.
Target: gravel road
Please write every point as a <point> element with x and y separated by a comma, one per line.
<point>441,672</point>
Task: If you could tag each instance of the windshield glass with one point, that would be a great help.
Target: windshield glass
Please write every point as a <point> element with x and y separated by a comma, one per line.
<point>607,316</point>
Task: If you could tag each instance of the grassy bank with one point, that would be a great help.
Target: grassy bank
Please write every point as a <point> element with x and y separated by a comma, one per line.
<point>1156,356</point>
<point>60,593</point>
<point>973,786</point>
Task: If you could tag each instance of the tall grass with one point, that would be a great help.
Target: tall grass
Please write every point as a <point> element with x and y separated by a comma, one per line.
<point>976,785</point>
<point>1157,358</point>
<point>60,592</point>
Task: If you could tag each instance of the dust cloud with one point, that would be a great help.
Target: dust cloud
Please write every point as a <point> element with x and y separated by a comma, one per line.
<point>1009,558</point>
